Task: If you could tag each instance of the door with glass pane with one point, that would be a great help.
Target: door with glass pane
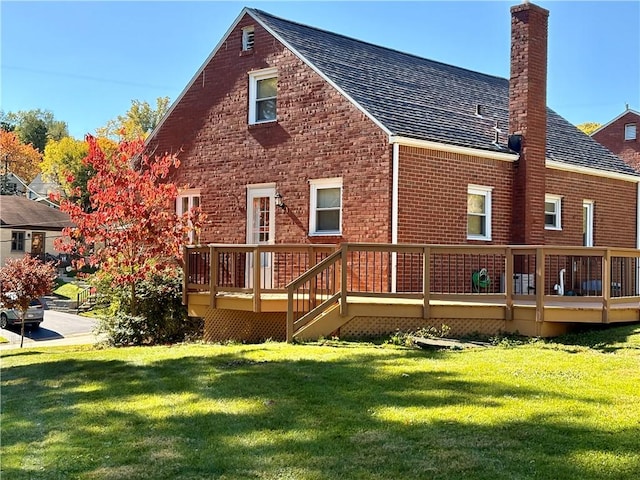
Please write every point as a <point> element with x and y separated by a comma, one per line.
<point>261,231</point>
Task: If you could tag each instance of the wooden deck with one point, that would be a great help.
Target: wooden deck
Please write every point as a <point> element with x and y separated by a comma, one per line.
<point>323,291</point>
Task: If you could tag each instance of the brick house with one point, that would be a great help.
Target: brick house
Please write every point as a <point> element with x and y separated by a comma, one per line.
<point>289,134</point>
<point>620,135</point>
<point>363,143</point>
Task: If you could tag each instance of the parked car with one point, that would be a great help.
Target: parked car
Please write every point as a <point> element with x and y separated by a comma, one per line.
<point>33,317</point>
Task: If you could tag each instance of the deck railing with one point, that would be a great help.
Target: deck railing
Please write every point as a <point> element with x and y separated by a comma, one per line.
<point>229,269</point>
<point>314,277</point>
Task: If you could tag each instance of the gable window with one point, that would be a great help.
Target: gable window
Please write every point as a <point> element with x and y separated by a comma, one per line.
<point>263,88</point>
<point>552,212</point>
<point>17,241</point>
<point>478,212</point>
<point>326,207</point>
<point>185,201</point>
<point>247,38</point>
<point>630,131</point>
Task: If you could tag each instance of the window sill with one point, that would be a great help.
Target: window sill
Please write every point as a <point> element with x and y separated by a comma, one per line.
<point>257,126</point>
<point>325,234</point>
<point>556,229</point>
<point>479,238</point>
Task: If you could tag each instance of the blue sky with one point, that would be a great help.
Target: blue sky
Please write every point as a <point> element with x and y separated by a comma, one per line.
<point>86,61</point>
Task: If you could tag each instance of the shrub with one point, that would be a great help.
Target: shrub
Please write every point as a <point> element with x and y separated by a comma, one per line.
<point>161,316</point>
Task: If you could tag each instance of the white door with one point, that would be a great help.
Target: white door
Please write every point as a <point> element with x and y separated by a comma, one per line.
<point>261,230</point>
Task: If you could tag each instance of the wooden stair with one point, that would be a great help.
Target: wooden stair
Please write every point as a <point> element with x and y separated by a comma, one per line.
<point>323,325</point>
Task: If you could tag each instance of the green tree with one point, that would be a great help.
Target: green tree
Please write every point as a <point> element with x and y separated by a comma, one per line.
<point>36,127</point>
<point>138,122</point>
<point>589,127</point>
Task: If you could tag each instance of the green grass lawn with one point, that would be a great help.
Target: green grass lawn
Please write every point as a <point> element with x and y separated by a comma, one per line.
<point>539,410</point>
<point>67,289</point>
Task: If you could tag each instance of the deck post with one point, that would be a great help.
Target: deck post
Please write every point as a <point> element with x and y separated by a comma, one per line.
<point>426,282</point>
<point>606,285</point>
<point>289,314</point>
<point>214,260</point>
<point>508,283</point>
<point>312,281</point>
<point>257,270</point>
<point>186,275</point>
<point>344,250</point>
<point>539,284</point>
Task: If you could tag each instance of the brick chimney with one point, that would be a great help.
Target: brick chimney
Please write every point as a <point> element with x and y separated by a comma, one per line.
<point>528,118</point>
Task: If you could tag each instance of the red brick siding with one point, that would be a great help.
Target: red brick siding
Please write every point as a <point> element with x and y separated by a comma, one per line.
<point>318,134</point>
<point>432,196</point>
<point>612,137</point>
<point>614,209</point>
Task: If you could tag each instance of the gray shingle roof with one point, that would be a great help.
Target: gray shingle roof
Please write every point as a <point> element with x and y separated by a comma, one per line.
<point>22,213</point>
<point>427,100</point>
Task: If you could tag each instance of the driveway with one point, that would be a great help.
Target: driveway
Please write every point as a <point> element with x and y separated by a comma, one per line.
<point>58,328</point>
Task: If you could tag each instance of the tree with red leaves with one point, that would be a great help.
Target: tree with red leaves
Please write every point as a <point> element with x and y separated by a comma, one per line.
<point>131,230</point>
<point>23,280</point>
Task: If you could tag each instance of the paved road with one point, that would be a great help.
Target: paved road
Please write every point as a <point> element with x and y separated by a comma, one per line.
<point>58,328</point>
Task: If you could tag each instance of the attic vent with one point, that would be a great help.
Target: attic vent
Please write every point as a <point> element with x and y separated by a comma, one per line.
<point>479,110</point>
<point>247,38</point>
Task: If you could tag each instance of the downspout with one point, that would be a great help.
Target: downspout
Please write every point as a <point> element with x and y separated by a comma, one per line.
<point>394,211</point>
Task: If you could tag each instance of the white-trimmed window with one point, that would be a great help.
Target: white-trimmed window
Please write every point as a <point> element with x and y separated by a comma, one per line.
<point>185,201</point>
<point>263,90</point>
<point>17,241</point>
<point>326,207</point>
<point>248,35</point>
<point>630,131</point>
<point>479,212</point>
<point>553,212</point>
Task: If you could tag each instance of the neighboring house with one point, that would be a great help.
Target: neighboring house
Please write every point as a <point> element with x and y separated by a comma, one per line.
<point>28,227</point>
<point>12,184</point>
<point>622,136</point>
<point>366,144</point>
<point>40,190</point>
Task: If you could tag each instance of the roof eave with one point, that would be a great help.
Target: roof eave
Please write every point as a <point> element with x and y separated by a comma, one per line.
<point>555,165</point>
<point>445,147</point>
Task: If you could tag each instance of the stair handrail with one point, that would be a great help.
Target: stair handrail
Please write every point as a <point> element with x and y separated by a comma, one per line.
<point>83,296</point>
<point>324,265</point>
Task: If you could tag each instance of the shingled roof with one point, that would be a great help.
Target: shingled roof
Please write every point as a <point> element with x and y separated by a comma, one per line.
<point>423,99</point>
<point>20,212</point>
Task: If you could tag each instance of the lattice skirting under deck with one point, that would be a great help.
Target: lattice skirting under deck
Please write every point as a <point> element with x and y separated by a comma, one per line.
<point>377,326</point>
<point>251,327</point>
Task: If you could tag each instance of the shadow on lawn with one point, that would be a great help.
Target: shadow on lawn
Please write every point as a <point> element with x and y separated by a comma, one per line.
<point>245,416</point>
<point>606,338</point>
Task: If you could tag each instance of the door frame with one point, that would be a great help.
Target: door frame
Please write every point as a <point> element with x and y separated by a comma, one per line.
<point>267,190</point>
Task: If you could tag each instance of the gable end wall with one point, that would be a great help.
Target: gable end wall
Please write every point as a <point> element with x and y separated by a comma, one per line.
<point>319,134</point>
<point>612,137</point>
